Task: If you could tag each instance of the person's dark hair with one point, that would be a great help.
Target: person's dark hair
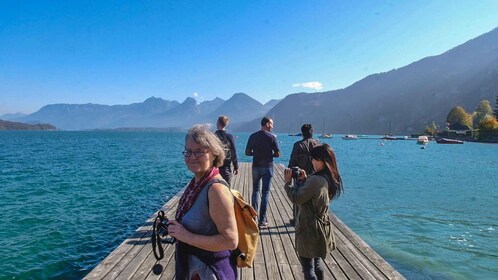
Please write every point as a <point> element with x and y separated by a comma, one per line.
<point>307,131</point>
<point>222,121</point>
<point>325,154</point>
<point>264,121</point>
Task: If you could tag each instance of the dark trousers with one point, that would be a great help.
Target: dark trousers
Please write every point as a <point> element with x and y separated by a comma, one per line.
<point>226,173</point>
<point>312,268</point>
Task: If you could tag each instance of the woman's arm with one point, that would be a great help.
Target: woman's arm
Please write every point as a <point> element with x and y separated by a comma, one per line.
<point>307,191</point>
<point>221,210</point>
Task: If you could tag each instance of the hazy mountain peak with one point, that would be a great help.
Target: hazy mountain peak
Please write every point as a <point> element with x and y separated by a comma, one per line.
<point>242,97</point>
<point>153,99</point>
<point>14,116</point>
<point>272,102</point>
<point>189,100</point>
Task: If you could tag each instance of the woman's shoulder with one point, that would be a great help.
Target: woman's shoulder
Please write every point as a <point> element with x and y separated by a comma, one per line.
<point>219,186</point>
<point>317,179</point>
<point>317,176</point>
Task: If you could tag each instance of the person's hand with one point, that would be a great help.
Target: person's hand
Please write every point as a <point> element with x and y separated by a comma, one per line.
<point>235,171</point>
<point>288,175</point>
<point>303,175</point>
<point>176,230</point>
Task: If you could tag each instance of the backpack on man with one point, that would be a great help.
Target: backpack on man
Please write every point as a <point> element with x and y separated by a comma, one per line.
<point>227,146</point>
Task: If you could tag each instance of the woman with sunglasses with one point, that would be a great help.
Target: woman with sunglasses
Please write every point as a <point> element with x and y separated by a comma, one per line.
<point>314,237</point>
<point>204,227</point>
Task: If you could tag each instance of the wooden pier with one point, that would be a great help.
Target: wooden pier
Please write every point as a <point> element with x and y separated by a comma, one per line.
<point>276,257</point>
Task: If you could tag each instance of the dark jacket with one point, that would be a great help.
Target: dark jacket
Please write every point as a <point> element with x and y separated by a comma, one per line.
<point>229,141</point>
<point>313,227</point>
<point>301,154</point>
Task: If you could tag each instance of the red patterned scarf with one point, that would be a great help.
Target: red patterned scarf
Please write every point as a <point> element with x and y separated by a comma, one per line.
<point>192,191</point>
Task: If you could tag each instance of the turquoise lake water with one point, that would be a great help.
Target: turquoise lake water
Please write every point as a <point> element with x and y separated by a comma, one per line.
<point>67,199</point>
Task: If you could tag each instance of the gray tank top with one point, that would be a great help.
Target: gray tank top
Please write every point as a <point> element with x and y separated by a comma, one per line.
<point>198,220</point>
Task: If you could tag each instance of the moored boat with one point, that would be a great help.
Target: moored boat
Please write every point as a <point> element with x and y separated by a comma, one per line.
<point>423,140</point>
<point>350,137</point>
<point>388,137</point>
<point>448,141</point>
<point>325,135</point>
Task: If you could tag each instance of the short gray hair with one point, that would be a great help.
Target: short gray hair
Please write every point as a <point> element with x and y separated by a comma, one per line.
<point>202,135</point>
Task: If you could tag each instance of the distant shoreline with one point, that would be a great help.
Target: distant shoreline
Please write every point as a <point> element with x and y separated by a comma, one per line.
<point>8,125</point>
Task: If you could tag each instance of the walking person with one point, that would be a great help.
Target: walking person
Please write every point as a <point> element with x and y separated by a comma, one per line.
<point>301,157</point>
<point>230,151</point>
<point>314,236</point>
<point>263,147</point>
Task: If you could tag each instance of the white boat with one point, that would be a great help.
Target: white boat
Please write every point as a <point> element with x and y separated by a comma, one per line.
<point>350,137</point>
<point>423,140</point>
<point>325,135</point>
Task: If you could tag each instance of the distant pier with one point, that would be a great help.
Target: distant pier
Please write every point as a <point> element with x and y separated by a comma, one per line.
<point>276,257</point>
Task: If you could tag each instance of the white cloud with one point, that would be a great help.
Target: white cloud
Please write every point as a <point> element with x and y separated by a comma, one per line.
<point>198,97</point>
<point>314,85</point>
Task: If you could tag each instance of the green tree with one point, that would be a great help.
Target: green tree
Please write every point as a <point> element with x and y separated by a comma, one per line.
<point>488,128</point>
<point>431,129</point>
<point>483,111</point>
<point>496,109</point>
<point>457,117</point>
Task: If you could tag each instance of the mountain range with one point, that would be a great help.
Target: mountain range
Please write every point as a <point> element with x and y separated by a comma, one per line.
<point>153,113</point>
<point>401,101</point>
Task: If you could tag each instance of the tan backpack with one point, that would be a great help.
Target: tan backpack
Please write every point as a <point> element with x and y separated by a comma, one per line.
<point>248,231</point>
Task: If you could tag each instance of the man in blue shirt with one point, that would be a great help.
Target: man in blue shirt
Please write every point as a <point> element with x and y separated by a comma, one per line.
<point>263,147</point>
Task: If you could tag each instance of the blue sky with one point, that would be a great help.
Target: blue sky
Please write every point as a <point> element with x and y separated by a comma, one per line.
<point>122,52</point>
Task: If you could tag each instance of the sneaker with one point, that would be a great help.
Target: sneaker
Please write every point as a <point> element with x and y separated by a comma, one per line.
<point>263,225</point>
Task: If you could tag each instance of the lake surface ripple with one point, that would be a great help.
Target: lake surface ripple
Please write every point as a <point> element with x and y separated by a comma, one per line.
<point>67,199</point>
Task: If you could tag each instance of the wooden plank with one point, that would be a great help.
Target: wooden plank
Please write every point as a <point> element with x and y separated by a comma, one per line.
<point>356,259</point>
<point>281,214</point>
<point>279,248</point>
<point>268,250</point>
<point>276,257</point>
<point>129,248</point>
<point>369,255</point>
<point>245,187</point>
<point>165,268</point>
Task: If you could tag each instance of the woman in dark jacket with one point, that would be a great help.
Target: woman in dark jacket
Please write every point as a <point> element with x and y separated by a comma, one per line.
<point>314,237</point>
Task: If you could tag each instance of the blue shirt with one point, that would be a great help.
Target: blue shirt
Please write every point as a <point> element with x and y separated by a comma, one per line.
<point>262,145</point>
